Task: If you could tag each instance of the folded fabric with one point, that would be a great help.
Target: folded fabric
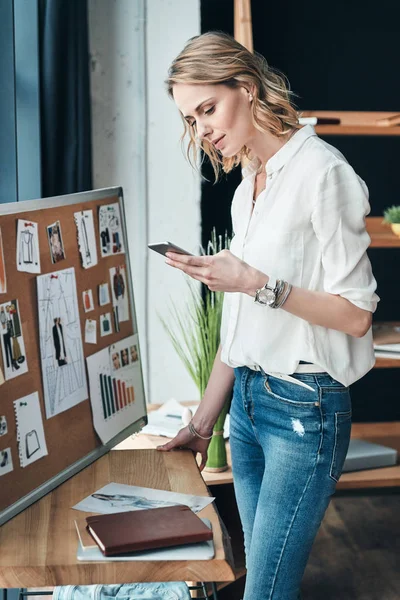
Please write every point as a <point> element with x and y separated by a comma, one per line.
<point>169,590</point>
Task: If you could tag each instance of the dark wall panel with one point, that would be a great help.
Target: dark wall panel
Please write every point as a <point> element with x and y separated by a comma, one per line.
<point>341,57</point>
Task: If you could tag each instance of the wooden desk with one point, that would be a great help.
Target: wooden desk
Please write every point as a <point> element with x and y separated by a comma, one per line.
<point>387,434</point>
<point>38,546</point>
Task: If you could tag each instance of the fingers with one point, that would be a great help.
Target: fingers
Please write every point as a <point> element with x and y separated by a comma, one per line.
<point>193,261</point>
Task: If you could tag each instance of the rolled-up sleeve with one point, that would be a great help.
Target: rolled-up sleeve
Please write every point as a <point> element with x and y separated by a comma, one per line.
<point>338,220</point>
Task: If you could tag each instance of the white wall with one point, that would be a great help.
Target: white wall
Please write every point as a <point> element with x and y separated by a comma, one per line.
<point>136,130</point>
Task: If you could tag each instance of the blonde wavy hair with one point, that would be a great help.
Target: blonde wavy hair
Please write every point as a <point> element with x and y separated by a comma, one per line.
<point>216,57</point>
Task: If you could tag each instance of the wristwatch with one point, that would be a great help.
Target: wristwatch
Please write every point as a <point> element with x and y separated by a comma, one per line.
<point>266,295</point>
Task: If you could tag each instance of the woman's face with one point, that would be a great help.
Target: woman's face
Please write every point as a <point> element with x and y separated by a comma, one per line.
<point>217,111</point>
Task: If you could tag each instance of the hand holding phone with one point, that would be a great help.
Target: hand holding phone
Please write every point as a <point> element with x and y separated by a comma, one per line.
<point>164,247</point>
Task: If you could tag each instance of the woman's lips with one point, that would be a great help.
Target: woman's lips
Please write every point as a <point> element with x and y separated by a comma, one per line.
<point>218,144</point>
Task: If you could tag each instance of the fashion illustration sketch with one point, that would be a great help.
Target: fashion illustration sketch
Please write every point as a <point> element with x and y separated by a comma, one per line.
<point>28,255</point>
<point>119,291</point>
<point>54,236</point>
<point>86,238</point>
<point>3,279</point>
<point>111,238</point>
<point>12,340</point>
<point>30,431</point>
<point>61,348</point>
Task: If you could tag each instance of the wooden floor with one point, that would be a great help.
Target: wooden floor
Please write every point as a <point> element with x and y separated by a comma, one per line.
<point>356,554</point>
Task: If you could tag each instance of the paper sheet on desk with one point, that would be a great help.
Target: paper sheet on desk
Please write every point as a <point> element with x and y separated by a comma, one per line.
<point>160,423</point>
<point>118,497</point>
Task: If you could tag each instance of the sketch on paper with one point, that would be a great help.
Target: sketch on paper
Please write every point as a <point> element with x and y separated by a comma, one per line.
<point>30,431</point>
<point>28,255</point>
<point>3,426</point>
<point>91,331</point>
<point>86,238</point>
<point>61,348</point>
<point>3,278</point>
<point>87,299</point>
<point>116,391</point>
<point>6,463</point>
<point>119,293</point>
<point>104,294</point>
<point>111,237</point>
<point>105,324</point>
<point>56,245</point>
<point>120,497</point>
<point>12,340</point>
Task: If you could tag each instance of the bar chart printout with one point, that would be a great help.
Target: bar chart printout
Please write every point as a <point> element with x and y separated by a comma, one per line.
<point>115,387</point>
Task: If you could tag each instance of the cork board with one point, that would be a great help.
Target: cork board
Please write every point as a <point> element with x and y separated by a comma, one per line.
<point>69,435</point>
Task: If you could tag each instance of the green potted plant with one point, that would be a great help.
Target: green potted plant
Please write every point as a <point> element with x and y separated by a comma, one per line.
<point>195,335</point>
<point>392,215</point>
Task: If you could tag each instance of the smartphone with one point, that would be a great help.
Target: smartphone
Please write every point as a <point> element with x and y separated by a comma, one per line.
<point>163,247</point>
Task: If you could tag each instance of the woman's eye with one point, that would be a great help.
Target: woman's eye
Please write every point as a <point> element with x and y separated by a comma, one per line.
<point>209,111</point>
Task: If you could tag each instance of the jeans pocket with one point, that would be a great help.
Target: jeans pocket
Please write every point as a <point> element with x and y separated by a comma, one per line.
<point>341,443</point>
<point>290,393</point>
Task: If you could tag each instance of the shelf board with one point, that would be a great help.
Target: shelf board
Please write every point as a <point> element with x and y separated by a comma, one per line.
<point>381,234</point>
<point>353,122</point>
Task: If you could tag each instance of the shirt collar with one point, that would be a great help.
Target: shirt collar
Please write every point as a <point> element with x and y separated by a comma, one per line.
<point>284,154</point>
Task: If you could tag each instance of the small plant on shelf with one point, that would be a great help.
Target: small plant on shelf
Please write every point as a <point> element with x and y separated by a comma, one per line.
<point>392,216</point>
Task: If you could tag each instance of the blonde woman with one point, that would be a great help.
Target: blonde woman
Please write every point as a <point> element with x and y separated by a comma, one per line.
<point>298,304</point>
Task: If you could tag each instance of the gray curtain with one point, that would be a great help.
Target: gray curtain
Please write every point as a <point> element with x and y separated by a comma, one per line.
<point>64,97</point>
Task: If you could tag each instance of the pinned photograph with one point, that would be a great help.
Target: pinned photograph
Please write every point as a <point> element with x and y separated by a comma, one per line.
<point>110,225</point>
<point>6,464</point>
<point>87,297</point>
<point>12,340</point>
<point>30,432</point>
<point>3,426</point>
<point>134,354</point>
<point>116,361</point>
<point>119,293</point>
<point>124,357</point>
<point>3,279</point>
<point>104,294</point>
<point>86,238</point>
<point>91,331</point>
<point>61,345</point>
<point>57,252</point>
<point>105,324</point>
<point>28,255</point>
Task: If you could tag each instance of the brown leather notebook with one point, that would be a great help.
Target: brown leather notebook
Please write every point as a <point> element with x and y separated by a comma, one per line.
<point>119,533</point>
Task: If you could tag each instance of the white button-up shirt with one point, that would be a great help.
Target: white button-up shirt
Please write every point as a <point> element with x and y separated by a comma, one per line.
<point>308,228</point>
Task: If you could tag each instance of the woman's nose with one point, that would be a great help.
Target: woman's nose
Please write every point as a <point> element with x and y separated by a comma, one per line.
<point>203,131</point>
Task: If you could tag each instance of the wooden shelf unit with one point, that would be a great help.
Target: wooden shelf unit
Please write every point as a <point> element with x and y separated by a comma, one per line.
<point>353,122</point>
<point>381,234</point>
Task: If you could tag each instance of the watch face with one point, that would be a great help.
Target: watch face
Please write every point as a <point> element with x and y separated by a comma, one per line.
<point>266,297</point>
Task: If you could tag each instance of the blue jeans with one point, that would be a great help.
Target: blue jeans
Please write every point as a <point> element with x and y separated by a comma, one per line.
<point>288,445</point>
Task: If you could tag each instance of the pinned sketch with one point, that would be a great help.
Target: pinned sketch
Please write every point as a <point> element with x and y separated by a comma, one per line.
<point>30,432</point>
<point>111,237</point>
<point>61,347</point>
<point>56,245</point>
<point>12,340</point>
<point>116,390</point>
<point>104,294</point>
<point>87,298</point>
<point>28,255</point>
<point>91,331</point>
<point>119,293</point>
<point>86,238</point>
<point>3,278</point>
<point>6,463</point>
<point>2,380</point>
<point>105,324</point>
<point>3,426</point>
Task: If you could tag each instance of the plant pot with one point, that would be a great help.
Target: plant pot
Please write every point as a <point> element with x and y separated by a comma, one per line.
<point>396,228</point>
<point>216,454</point>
